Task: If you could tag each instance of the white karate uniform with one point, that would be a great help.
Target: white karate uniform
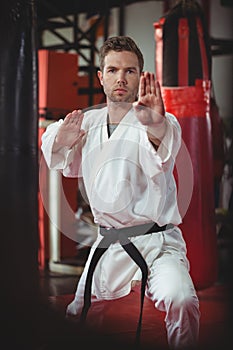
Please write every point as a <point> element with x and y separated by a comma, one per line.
<point>129,183</point>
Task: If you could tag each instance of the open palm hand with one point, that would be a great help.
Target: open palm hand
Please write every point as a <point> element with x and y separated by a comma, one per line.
<point>150,107</point>
<point>70,132</point>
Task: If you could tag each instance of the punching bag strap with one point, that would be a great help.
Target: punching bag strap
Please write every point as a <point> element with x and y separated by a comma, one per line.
<point>183,52</point>
<point>159,49</point>
<point>204,62</point>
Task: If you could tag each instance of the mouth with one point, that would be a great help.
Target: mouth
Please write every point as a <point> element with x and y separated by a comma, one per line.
<point>120,91</point>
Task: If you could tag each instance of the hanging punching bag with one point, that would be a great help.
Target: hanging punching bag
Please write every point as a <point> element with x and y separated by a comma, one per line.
<point>183,66</point>
<point>18,148</point>
<point>19,166</point>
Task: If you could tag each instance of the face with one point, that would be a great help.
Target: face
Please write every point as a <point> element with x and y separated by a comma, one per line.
<point>120,76</point>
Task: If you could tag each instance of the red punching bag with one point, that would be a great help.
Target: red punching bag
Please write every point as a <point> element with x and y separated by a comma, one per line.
<point>183,65</point>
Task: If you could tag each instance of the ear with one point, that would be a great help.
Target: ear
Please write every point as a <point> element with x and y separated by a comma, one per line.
<point>100,76</point>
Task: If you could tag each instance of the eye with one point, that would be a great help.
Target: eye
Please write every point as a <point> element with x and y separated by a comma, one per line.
<point>130,71</point>
<point>111,70</point>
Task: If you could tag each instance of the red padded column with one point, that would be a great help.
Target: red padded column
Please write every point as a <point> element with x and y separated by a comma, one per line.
<point>190,103</point>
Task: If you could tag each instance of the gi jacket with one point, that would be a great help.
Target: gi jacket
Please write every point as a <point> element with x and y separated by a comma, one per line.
<point>127,183</point>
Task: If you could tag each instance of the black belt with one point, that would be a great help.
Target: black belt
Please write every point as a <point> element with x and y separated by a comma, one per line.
<point>112,235</point>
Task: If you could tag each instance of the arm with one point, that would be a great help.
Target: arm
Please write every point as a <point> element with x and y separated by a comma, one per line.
<point>62,142</point>
<point>163,129</point>
<point>70,132</point>
<point>150,109</point>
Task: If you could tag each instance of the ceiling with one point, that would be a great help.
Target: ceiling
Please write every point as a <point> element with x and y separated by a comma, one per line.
<point>50,8</point>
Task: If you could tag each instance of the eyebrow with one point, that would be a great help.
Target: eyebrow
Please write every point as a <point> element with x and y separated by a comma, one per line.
<point>110,67</point>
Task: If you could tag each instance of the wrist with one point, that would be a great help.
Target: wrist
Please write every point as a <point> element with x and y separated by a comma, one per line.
<point>156,131</point>
<point>56,145</point>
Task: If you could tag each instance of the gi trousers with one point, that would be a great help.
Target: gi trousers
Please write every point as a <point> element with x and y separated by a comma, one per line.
<point>171,289</point>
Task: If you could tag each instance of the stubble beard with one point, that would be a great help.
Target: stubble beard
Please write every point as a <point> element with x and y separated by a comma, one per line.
<point>124,99</point>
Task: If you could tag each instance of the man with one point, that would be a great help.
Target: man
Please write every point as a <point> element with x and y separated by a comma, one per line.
<point>125,154</point>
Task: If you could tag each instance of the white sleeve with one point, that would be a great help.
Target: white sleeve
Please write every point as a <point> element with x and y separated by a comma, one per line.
<point>154,162</point>
<point>171,142</point>
<point>67,160</point>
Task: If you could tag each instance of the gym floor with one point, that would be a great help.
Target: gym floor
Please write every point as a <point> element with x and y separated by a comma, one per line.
<point>118,316</point>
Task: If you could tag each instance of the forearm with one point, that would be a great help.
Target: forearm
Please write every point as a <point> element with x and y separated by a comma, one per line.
<point>157,131</point>
<point>57,147</point>
<point>57,157</point>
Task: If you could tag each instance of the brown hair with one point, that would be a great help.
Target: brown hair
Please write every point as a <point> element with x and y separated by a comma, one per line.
<point>120,43</point>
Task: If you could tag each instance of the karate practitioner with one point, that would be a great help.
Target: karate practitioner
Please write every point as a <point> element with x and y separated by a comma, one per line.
<point>125,154</point>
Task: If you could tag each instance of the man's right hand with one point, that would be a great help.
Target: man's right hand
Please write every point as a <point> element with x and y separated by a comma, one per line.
<point>70,132</point>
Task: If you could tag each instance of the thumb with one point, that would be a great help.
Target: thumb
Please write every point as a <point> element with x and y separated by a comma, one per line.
<point>138,106</point>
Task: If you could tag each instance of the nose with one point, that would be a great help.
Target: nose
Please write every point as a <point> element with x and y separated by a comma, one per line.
<point>121,79</point>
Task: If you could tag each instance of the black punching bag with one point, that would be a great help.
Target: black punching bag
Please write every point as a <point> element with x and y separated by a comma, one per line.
<point>19,167</point>
<point>18,149</point>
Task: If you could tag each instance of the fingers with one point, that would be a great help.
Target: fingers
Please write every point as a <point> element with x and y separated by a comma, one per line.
<point>158,90</point>
<point>148,84</point>
<point>153,84</point>
<point>75,118</point>
<point>142,87</point>
<point>79,120</point>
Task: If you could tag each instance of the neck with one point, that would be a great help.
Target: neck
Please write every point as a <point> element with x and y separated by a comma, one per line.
<point>117,111</point>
